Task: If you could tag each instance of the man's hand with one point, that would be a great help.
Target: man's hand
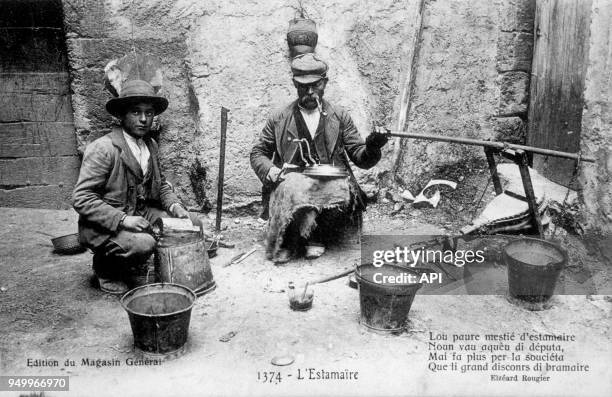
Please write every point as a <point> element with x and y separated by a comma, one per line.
<point>178,211</point>
<point>273,175</point>
<point>377,138</point>
<point>135,224</point>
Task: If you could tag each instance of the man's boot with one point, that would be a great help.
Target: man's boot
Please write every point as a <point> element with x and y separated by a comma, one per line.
<point>141,272</point>
<point>107,275</point>
<point>314,250</point>
<point>282,256</point>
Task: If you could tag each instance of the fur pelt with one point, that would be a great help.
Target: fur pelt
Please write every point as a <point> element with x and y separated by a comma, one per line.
<point>299,200</point>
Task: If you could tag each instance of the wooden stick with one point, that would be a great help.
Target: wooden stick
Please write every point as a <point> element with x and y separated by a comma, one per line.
<point>330,278</point>
<point>304,293</point>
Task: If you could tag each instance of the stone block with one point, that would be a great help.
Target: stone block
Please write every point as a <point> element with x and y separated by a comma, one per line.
<point>514,94</point>
<point>37,139</point>
<point>39,83</point>
<point>517,16</point>
<point>86,18</point>
<point>32,50</point>
<point>509,129</point>
<point>50,196</point>
<point>36,171</point>
<point>29,13</point>
<point>35,107</point>
<point>514,51</point>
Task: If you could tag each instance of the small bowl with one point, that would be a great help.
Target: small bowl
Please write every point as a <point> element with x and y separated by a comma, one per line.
<point>297,304</point>
<point>68,244</point>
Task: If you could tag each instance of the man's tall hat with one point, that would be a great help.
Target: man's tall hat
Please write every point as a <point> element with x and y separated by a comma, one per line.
<point>132,93</point>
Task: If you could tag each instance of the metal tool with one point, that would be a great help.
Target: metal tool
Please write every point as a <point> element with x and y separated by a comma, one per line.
<point>314,169</point>
<point>240,257</point>
<point>308,161</point>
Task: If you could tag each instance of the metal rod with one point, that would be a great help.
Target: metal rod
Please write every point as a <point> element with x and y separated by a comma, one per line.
<point>224,112</point>
<point>492,144</point>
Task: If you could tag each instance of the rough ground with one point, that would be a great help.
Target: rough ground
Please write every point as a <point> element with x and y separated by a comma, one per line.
<point>49,310</point>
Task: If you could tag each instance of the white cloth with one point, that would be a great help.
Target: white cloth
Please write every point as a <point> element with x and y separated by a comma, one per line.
<point>311,117</point>
<point>139,150</point>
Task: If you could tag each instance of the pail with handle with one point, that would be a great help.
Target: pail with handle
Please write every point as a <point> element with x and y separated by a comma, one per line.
<point>533,266</point>
<point>386,294</point>
<point>182,258</point>
<point>159,316</point>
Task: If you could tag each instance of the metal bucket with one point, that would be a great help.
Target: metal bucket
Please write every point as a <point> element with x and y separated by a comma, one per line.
<point>533,266</point>
<point>159,316</point>
<point>385,306</point>
<point>67,245</point>
<point>182,258</point>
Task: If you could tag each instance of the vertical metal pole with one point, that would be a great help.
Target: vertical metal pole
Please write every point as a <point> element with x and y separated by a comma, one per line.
<point>522,161</point>
<point>224,113</point>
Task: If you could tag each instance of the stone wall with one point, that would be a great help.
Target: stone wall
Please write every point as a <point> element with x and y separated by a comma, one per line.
<point>471,75</point>
<point>233,54</point>
<point>39,162</point>
<point>514,56</point>
<point>596,135</point>
<point>472,80</point>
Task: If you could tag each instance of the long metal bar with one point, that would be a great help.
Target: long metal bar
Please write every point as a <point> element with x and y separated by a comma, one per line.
<point>492,144</point>
<point>224,112</point>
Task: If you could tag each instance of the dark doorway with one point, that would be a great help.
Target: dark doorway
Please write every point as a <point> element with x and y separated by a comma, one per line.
<point>39,161</point>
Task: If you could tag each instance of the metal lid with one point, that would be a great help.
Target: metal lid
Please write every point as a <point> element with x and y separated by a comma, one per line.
<point>325,171</point>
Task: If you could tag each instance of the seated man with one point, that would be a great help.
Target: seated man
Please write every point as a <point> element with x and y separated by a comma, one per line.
<point>305,212</point>
<point>121,190</point>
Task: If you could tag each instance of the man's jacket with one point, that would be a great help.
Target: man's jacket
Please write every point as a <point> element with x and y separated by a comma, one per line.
<point>275,146</point>
<point>111,184</point>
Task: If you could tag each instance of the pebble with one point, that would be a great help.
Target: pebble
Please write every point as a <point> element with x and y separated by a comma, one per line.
<point>283,360</point>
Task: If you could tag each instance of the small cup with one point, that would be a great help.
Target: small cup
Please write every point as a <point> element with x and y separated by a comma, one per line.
<point>297,304</point>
